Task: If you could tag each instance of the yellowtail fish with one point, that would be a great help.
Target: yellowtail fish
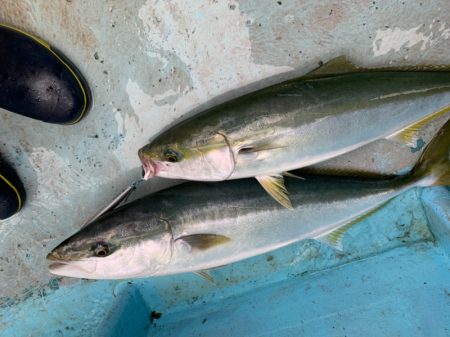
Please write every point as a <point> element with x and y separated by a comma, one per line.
<point>199,226</point>
<point>324,114</point>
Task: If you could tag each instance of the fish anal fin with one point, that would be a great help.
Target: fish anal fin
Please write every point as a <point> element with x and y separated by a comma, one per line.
<point>410,134</point>
<point>334,238</point>
<point>338,65</point>
<point>274,185</point>
<point>291,175</point>
<point>203,241</point>
<point>206,275</point>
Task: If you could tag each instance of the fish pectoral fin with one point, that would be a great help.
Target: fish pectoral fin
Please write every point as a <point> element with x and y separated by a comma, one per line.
<point>259,147</point>
<point>291,175</point>
<point>206,275</point>
<point>338,65</point>
<point>203,241</point>
<point>410,134</point>
<point>274,185</point>
<point>334,238</point>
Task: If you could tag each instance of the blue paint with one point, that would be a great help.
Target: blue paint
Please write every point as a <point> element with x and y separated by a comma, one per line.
<point>437,206</point>
<point>419,145</point>
<point>391,298</point>
<point>391,280</point>
<point>129,316</point>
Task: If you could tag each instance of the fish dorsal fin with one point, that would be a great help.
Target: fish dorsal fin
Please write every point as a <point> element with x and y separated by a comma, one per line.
<point>342,65</point>
<point>338,65</point>
<point>412,68</point>
<point>274,185</point>
<point>206,275</point>
<point>409,135</point>
<point>334,238</point>
<point>203,241</point>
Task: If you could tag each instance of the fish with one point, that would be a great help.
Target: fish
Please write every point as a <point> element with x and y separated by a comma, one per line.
<point>199,226</point>
<point>329,112</point>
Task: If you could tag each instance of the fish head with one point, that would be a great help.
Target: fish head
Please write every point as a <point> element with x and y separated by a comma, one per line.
<point>191,156</point>
<point>112,249</point>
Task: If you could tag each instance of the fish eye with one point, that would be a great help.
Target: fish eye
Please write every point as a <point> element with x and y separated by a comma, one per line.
<point>101,249</point>
<point>171,156</point>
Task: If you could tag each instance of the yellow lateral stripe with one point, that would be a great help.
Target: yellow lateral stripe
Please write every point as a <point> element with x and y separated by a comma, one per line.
<point>48,47</point>
<point>15,190</point>
<point>410,132</point>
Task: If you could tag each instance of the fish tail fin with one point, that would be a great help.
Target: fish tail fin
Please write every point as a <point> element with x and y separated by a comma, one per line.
<point>433,167</point>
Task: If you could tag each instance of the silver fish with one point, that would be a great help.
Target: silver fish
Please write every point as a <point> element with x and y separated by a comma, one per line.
<point>298,123</point>
<point>194,227</point>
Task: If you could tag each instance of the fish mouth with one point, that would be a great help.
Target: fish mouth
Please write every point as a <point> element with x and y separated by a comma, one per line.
<point>73,269</point>
<point>151,168</point>
<point>55,266</point>
<point>148,166</point>
<point>53,256</point>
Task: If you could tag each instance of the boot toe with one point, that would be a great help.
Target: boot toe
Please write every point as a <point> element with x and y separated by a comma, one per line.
<point>37,81</point>
<point>12,193</point>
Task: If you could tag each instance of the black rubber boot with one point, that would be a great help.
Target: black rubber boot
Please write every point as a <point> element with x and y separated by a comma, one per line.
<point>37,81</point>
<point>12,193</point>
